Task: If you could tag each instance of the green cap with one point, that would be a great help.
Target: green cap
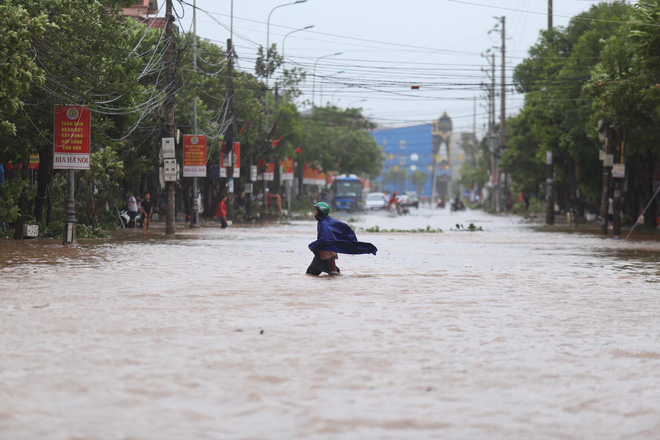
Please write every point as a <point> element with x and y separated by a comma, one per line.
<point>323,208</point>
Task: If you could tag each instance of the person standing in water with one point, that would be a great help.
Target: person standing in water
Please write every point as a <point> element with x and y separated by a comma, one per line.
<point>333,236</point>
<point>147,209</point>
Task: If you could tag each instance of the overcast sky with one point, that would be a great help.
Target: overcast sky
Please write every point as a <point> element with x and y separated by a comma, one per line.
<point>386,48</point>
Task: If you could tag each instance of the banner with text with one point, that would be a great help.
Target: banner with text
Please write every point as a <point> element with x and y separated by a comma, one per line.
<point>308,175</point>
<point>194,155</point>
<point>286,167</point>
<point>237,160</point>
<point>71,137</point>
<point>266,170</point>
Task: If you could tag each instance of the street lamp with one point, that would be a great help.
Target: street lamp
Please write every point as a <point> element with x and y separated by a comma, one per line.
<point>294,31</point>
<point>314,74</point>
<point>268,44</point>
<point>332,76</point>
<point>353,102</point>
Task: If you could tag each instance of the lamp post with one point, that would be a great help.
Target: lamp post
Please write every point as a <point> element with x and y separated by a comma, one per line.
<point>293,32</point>
<point>314,73</point>
<point>331,76</point>
<point>267,48</point>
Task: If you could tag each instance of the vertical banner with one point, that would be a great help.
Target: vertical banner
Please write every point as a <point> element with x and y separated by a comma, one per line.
<point>237,160</point>
<point>269,173</point>
<point>286,166</point>
<point>194,155</point>
<point>34,162</point>
<point>308,175</point>
<point>332,176</point>
<point>223,161</point>
<point>261,165</point>
<point>321,179</point>
<point>71,140</point>
<point>222,156</point>
<point>266,170</point>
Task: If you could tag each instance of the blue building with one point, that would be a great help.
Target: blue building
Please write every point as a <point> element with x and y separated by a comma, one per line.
<point>411,149</point>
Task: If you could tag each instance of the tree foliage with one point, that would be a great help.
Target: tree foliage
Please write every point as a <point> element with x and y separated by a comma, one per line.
<point>67,52</point>
<point>558,115</point>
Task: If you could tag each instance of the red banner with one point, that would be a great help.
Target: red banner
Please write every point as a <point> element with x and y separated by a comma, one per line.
<point>237,160</point>
<point>237,154</point>
<point>71,137</point>
<point>194,155</point>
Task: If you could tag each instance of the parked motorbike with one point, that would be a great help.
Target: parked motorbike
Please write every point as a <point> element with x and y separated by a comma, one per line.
<point>125,220</point>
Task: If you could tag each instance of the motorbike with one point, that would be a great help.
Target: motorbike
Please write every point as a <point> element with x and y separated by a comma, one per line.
<point>125,220</point>
<point>395,209</point>
<point>457,205</point>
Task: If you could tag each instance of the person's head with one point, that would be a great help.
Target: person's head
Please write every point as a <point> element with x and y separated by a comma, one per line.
<point>322,209</point>
<point>147,196</point>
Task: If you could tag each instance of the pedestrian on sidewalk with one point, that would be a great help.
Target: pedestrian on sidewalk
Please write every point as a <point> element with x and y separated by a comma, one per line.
<point>333,236</point>
<point>131,207</point>
<point>147,211</point>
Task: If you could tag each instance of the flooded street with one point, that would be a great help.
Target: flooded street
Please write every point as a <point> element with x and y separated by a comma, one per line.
<point>218,334</point>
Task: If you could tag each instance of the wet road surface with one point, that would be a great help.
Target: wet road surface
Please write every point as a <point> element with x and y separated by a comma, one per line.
<point>218,334</point>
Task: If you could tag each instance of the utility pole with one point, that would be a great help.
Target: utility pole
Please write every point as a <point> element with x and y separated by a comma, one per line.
<point>550,168</point>
<point>503,88</point>
<point>169,111</point>
<point>502,145</point>
<point>616,190</point>
<point>495,199</point>
<point>229,137</point>
<point>605,193</point>
<point>194,215</point>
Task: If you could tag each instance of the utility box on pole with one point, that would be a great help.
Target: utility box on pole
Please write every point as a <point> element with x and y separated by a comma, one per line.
<point>168,160</point>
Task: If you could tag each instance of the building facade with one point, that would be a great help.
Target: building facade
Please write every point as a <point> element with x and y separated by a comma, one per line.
<point>416,156</point>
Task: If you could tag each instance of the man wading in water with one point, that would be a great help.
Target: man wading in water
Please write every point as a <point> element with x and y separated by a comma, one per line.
<point>332,237</point>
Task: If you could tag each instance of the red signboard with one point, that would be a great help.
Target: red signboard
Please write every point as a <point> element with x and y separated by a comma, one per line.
<point>194,155</point>
<point>71,140</point>
<point>237,159</point>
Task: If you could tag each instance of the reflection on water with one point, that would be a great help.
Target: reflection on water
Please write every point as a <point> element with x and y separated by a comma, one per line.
<point>505,333</point>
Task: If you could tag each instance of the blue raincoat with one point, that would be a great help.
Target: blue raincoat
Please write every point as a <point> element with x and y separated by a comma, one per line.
<point>335,236</point>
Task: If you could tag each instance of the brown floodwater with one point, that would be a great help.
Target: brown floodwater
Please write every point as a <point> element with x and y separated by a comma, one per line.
<point>502,333</point>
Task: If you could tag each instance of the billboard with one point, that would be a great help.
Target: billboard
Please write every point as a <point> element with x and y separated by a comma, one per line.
<point>194,155</point>
<point>71,137</point>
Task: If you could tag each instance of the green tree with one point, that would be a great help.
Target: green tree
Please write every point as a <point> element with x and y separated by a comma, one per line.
<point>557,115</point>
<point>627,99</point>
<point>18,70</point>
<point>396,176</point>
<point>339,140</point>
<point>88,56</point>
<point>418,179</point>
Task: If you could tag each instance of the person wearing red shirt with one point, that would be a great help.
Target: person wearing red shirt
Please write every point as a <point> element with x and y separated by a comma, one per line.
<point>221,213</point>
